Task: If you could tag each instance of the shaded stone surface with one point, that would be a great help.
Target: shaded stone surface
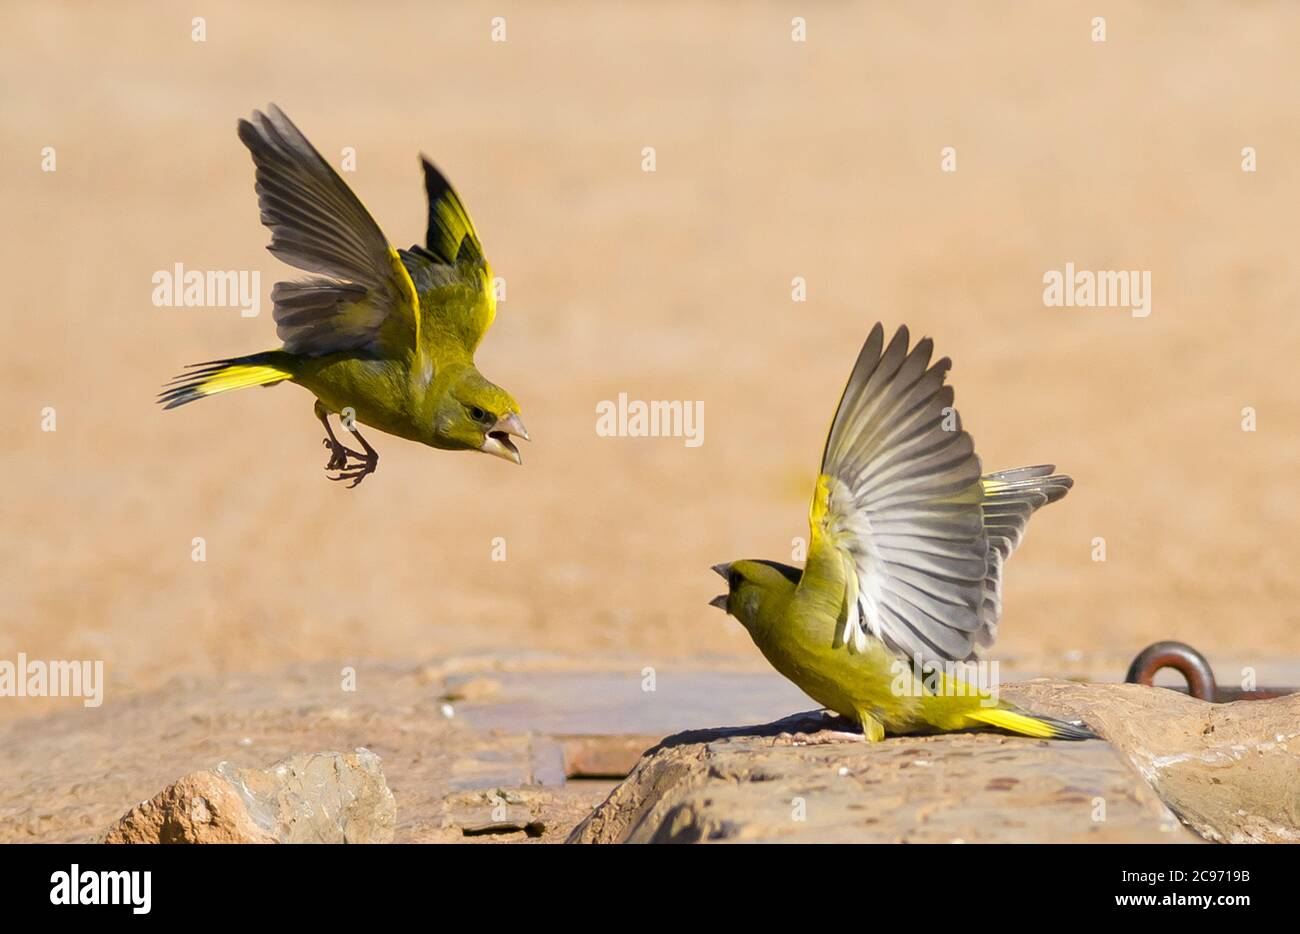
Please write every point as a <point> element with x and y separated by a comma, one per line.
<point>327,797</point>
<point>768,784</point>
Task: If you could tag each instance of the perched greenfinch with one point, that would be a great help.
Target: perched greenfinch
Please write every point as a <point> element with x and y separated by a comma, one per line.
<point>380,336</point>
<point>903,574</point>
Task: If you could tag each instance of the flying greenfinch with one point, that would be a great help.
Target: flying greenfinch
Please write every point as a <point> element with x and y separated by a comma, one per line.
<point>903,575</point>
<point>380,336</point>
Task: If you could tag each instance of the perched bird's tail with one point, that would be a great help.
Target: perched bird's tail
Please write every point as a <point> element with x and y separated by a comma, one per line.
<point>208,379</point>
<point>1026,725</point>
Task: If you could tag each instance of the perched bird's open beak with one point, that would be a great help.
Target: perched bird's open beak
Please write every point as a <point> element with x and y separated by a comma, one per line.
<point>723,571</point>
<point>497,440</point>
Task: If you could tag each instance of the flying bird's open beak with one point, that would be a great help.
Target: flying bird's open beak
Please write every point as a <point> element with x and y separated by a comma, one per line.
<point>722,570</point>
<point>720,601</point>
<point>497,440</point>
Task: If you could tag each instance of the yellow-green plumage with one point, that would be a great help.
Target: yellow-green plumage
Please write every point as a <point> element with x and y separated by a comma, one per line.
<point>905,553</point>
<point>383,336</point>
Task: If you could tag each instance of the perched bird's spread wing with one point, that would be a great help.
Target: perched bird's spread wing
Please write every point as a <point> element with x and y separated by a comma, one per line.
<point>899,504</point>
<point>367,299</point>
<point>1010,498</point>
<point>450,272</point>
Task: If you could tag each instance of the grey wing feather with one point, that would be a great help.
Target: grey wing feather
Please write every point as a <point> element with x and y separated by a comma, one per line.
<point>321,316</point>
<point>907,495</point>
<point>927,534</point>
<point>1010,498</point>
<point>319,225</point>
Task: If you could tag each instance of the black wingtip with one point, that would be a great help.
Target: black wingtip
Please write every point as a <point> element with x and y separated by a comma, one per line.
<point>431,169</point>
<point>436,185</point>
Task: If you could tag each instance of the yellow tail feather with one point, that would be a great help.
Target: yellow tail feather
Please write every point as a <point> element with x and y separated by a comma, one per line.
<point>208,379</point>
<point>238,377</point>
<point>1025,725</point>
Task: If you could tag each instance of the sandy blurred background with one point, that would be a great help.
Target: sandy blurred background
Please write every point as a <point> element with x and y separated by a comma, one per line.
<point>775,159</point>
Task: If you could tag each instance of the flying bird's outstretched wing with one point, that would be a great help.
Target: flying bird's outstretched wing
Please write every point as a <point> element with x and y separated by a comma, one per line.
<point>366,298</point>
<point>450,272</point>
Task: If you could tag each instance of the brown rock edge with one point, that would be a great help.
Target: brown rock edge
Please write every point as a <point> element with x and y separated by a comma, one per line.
<point>1231,772</point>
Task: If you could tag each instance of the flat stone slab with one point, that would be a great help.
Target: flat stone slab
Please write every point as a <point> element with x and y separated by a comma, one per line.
<point>629,701</point>
<point>1230,772</point>
<point>766,785</point>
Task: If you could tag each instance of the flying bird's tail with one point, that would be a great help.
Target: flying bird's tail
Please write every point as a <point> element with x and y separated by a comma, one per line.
<point>208,379</point>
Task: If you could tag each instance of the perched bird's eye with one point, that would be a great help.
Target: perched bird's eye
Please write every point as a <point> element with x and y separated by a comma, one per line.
<point>478,414</point>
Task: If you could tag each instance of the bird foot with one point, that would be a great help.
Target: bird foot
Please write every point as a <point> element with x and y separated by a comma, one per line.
<point>820,738</point>
<point>365,464</point>
<point>339,455</point>
<point>357,472</point>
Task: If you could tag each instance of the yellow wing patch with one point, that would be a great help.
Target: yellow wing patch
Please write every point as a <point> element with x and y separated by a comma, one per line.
<point>831,562</point>
<point>820,506</point>
<point>406,289</point>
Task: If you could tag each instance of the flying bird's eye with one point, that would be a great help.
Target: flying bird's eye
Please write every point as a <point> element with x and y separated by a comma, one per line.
<point>477,414</point>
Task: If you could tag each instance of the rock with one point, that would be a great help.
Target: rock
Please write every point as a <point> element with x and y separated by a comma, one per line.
<point>324,797</point>
<point>502,811</point>
<point>200,808</point>
<point>765,784</point>
<point>1231,772</point>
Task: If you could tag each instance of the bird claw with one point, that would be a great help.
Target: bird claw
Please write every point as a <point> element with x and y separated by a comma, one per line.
<point>820,738</point>
<point>339,455</point>
<point>355,472</point>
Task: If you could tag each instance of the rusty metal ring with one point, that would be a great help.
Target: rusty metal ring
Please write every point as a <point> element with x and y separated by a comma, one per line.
<point>1179,656</point>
